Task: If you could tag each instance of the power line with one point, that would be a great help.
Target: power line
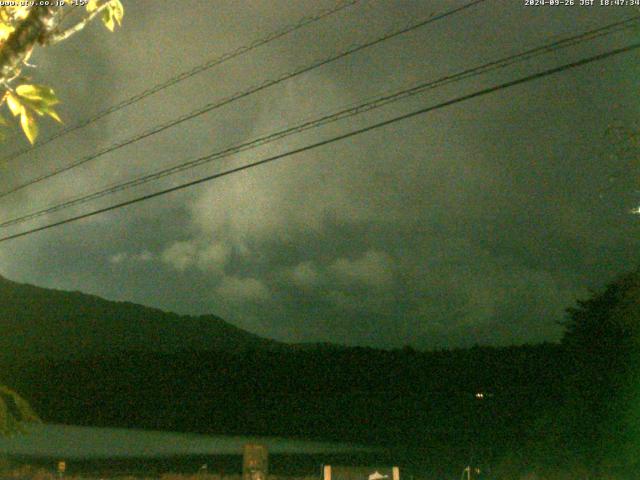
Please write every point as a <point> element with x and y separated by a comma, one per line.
<point>185,75</point>
<point>212,106</point>
<point>331,140</point>
<point>358,109</point>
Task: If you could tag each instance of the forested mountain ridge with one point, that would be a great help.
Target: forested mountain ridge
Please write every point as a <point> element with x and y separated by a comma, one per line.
<point>42,322</point>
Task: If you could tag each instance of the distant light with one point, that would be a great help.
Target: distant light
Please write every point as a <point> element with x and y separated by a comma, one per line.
<point>635,211</point>
<point>480,395</point>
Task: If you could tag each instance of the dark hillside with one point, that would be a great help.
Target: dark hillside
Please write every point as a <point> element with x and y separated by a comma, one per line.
<point>36,321</point>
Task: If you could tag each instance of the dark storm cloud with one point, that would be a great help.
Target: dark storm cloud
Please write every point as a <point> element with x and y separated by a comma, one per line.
<point>478,223</point>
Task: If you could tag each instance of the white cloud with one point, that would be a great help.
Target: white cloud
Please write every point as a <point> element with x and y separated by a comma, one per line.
<point>236,289</point>
<point>211,257</point>
<point>120,257</point>
<point>180,255</point>
<point>284,199</point>
<point>374,268</point>
<point>304,274</point>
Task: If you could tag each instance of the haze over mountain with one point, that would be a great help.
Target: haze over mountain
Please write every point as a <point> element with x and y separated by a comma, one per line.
<point>53,323</point>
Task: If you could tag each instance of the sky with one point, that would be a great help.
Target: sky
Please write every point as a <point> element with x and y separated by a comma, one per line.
<point>479,223</point>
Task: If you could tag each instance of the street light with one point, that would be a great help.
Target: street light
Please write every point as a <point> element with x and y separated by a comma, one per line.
<point>470,470</point>
<point>483,395</point>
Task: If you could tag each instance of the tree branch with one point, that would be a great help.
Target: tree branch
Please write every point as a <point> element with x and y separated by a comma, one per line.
<point>56,37</point>
<point>40,22</point>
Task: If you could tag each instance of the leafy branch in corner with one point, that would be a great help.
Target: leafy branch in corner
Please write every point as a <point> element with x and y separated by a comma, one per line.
<point>22,29</point>
<point>14,411</point>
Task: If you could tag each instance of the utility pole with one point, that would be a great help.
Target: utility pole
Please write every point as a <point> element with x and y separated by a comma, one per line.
<point>467,470</point>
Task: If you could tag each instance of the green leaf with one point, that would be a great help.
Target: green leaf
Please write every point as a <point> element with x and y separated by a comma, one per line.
<point>38,106</point>
<point>112,15</point>
<point>38,92</point>
<point>53,114</point>
<point>92,6</point>
<point>3,121</point>
<point>29,126</point>
<point>117,11</point>
<point>14,105</point>
<point>107,18</point>
<point>5,31</point>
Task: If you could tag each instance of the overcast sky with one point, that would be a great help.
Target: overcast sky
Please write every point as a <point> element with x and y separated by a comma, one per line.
<point>477,223</point>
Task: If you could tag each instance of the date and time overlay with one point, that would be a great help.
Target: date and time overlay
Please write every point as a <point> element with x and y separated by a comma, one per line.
<point>526,3</point>
<point>44,3</point>
<point>581,3</point>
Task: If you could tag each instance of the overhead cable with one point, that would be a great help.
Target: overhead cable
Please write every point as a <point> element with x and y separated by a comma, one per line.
<point>334,139</point>
<point>237,96</point>
<point>361,107</point>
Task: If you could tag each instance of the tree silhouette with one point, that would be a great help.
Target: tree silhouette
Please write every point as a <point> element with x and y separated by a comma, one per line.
<point>602,341</point>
